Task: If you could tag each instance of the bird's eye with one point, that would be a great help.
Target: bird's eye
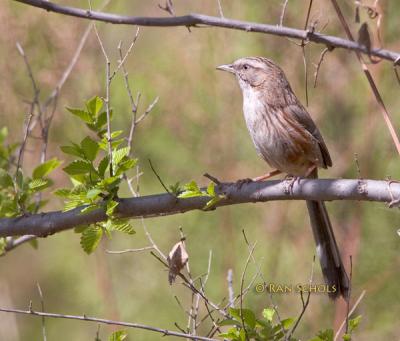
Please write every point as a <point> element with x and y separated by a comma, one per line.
<point>245,66</point>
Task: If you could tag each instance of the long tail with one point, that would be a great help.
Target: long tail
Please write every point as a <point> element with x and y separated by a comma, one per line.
<point>327,250</point>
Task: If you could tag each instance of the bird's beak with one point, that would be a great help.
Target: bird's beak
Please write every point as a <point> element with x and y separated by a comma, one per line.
<point>227,67</point>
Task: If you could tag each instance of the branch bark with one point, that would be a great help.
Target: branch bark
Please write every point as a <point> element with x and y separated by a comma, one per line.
<point>193,20</point>
<point>44,224</point>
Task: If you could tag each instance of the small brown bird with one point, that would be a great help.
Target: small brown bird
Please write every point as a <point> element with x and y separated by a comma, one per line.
<point>287,138</point>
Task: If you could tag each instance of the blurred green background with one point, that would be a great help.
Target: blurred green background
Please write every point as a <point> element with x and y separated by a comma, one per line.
<point>197,127</point>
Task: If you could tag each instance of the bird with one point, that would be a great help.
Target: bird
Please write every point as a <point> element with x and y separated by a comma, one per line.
<point>286,137</point>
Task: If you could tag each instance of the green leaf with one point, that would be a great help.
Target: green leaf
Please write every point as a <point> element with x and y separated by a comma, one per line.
<point>45,168</point>
<point>102,119</point>
<point>121,225</point>
<point>94,105</point>
<point>83,115</point>
<point>287,323</point>
<point>268,314</point>
<point>190,190</point>
<point>119,154</point>
<point>104,163</point>
<point>90,148</point>
<point>3,134</point>
<point>125,166</point>
<point>175,189</point>
<point>78,167</point>
<point>62,192</point>
<point>93,193</point>
<point>211,189</point>
<point>20,179</point>
<point>248,316</point>
<point>34,243</point>
<point>346,337</point>
<point>90,238</point>
<point>119,335</point>
<point>74,150</point>
<point>89,208</point>
<point>81,228</point>
<point>111,205</point>
<point>39,184</point>
<point>229,322</point>
<point>5,179</point>
<point>353,323</point>
<point>211,203</point>
<point>324,335</point>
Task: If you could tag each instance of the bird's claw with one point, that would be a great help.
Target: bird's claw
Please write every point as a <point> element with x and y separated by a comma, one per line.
<point>241,182</point>
<point>289,182</point>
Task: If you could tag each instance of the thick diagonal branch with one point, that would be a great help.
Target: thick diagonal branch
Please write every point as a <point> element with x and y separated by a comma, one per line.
<point>192,20</point>
<point>44,224</point>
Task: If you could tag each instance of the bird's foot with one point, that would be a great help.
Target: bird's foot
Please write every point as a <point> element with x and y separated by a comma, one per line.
<point>289,182</point>
<point>241,182</point>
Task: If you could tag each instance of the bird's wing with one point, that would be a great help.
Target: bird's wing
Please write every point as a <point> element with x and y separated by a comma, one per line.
<point>304,118</point>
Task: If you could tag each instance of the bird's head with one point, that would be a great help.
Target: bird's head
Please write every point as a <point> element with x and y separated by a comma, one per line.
<point>255,72</point>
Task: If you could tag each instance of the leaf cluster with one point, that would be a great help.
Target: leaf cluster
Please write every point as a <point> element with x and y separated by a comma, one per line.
<point>246,326</point>
<point>96,174</point>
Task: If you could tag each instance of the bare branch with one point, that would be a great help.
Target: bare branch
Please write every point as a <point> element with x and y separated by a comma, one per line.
<point>370,79</point>
<point>164,332</point>
<point>210,21</point>
<point>44,224</point>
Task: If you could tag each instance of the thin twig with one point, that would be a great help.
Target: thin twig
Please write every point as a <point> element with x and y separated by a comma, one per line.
<point>304,303</point>
<point>318,66</point>
<point>231,293</point>
<point>283,12</point>
<point>221,13</point>
<point>242,284</point>
<point>349,314</point>
<point>107,99</point>
<point>348,300</point>
<point>42,305</point>
<point>159,178</point>
<point>131,250</point>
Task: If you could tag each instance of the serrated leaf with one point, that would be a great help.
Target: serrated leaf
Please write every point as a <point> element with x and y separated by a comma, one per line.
<point>94,105</point>
<point>38,184</point>
<point>90,238</point>
<point>78,167</point>
<point>119,335</point>
<point>121,225</point>
<point>103,166</point>
<point>62,192</point>
<point>5,179</point>
<point>111,206</point>
<point>70,205</point>
<point>74,150</point>
<point>45,168</point>
<point>268,314</point>
<point>125,166</point>
<point>82,114</point>
<point>90,148</point>
<point>119,154</point>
